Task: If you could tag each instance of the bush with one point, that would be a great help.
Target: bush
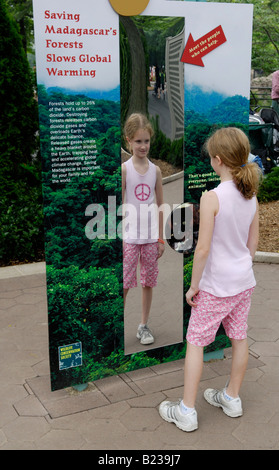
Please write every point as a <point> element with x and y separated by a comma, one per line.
<point>19,118</point>
<point>164,149</point>
<point>21,222</point>
<point>21,212</point>
<point>269,189</point>
<point>85,306</point>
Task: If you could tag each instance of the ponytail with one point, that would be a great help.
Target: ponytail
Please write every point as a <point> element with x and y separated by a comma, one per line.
<point>247,179</point>
<point>232,146</point>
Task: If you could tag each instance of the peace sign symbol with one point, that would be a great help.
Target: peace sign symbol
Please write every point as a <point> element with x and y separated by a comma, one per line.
<point>142,192</point>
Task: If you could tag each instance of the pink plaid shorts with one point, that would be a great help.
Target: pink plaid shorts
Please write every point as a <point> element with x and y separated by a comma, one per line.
<point>210,311</point>
<point>148,255</point>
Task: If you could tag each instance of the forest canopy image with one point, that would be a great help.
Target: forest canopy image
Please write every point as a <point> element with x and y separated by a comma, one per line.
<point>84,276</point>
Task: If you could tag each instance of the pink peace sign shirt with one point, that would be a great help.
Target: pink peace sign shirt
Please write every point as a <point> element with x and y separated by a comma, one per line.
<point>141,217</point>
<point>142,192</point>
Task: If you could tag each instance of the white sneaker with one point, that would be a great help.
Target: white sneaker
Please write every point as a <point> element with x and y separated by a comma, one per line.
<point>232,408</point>
<point>145,335</point>
<point>170,412</point>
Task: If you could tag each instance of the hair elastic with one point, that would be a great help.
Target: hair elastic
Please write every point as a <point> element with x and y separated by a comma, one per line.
<point>241,166</point>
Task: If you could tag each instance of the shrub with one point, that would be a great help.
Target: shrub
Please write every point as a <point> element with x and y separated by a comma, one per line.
<point>18,119</point>
<point>21,222</point>
<point>269,189</point>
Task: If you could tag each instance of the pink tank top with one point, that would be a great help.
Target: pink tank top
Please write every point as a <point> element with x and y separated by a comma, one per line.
<point>141,218</point>
<point>229,269</point>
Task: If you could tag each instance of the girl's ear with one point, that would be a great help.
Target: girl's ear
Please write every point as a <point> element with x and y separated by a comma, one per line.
<point>218,160</point>
<point>129,143</point>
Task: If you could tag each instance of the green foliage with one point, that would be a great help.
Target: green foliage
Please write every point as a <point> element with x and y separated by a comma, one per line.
<point>21,235</point>
<point>212,107</point>
<point>269,188</point>
<point>65,205</point>
<point>232,109</point>
<point>18,119</point>
<point>21,10</point>
<point>86,306</point>
<point>188,266</point>
<point>156,30</point>
<point>165,149</point>
<point>196,160</point>
<point>265,51</point>
<point>125,76</point>
<point>21,222</point>
<point>153,32</point>
<point>141,360</point>
<point>84,274</point>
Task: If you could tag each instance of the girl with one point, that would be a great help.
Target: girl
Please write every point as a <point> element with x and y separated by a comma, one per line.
<point>222,277</point>
<point>143,237</point>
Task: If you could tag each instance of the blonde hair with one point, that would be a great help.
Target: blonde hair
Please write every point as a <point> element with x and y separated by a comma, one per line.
<point>135,122</point>
<point>232,146</point>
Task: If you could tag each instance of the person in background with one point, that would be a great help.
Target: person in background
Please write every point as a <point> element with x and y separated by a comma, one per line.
<point>275,91</point>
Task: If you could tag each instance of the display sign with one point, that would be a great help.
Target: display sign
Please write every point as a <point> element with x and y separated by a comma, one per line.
<point>186,65</point>
<point>70,356</point>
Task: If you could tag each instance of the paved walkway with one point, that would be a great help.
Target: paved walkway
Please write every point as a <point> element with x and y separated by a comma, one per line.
<point>121,412</point>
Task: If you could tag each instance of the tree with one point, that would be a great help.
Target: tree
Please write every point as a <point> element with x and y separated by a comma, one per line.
<point>22,13</point>
<point>265,45</point>
<point>138,100</point>
<point>265,52</point>
<point>18,120</point>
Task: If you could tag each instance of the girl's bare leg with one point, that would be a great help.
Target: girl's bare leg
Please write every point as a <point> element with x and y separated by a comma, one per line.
<point>192,373</point>
<point>125,292</point>
<point>146,304</point>
<point>239,364</point>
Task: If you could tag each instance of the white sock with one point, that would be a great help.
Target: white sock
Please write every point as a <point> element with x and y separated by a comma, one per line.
<point>185,409</point>
<point>228,397</point>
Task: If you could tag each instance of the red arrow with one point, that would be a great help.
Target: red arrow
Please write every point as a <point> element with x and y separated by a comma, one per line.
<point>196,50</point>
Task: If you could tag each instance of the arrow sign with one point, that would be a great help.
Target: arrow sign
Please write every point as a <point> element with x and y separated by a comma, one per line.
<point>196,50</point>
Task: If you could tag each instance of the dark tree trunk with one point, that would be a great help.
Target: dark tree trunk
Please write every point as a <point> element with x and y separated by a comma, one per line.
<point>138,100</point>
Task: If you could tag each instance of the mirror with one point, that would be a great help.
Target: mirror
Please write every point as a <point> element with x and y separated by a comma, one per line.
<point>152,82</point>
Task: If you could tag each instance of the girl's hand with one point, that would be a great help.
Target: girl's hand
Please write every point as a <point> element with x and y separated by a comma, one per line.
<point>189,296</point>
<point>161,249</point>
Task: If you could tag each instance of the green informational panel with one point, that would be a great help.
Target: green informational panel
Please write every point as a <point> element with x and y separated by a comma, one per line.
<point>187,66</point>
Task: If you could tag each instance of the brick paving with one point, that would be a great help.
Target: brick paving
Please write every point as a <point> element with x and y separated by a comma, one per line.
<point>121,412</point>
